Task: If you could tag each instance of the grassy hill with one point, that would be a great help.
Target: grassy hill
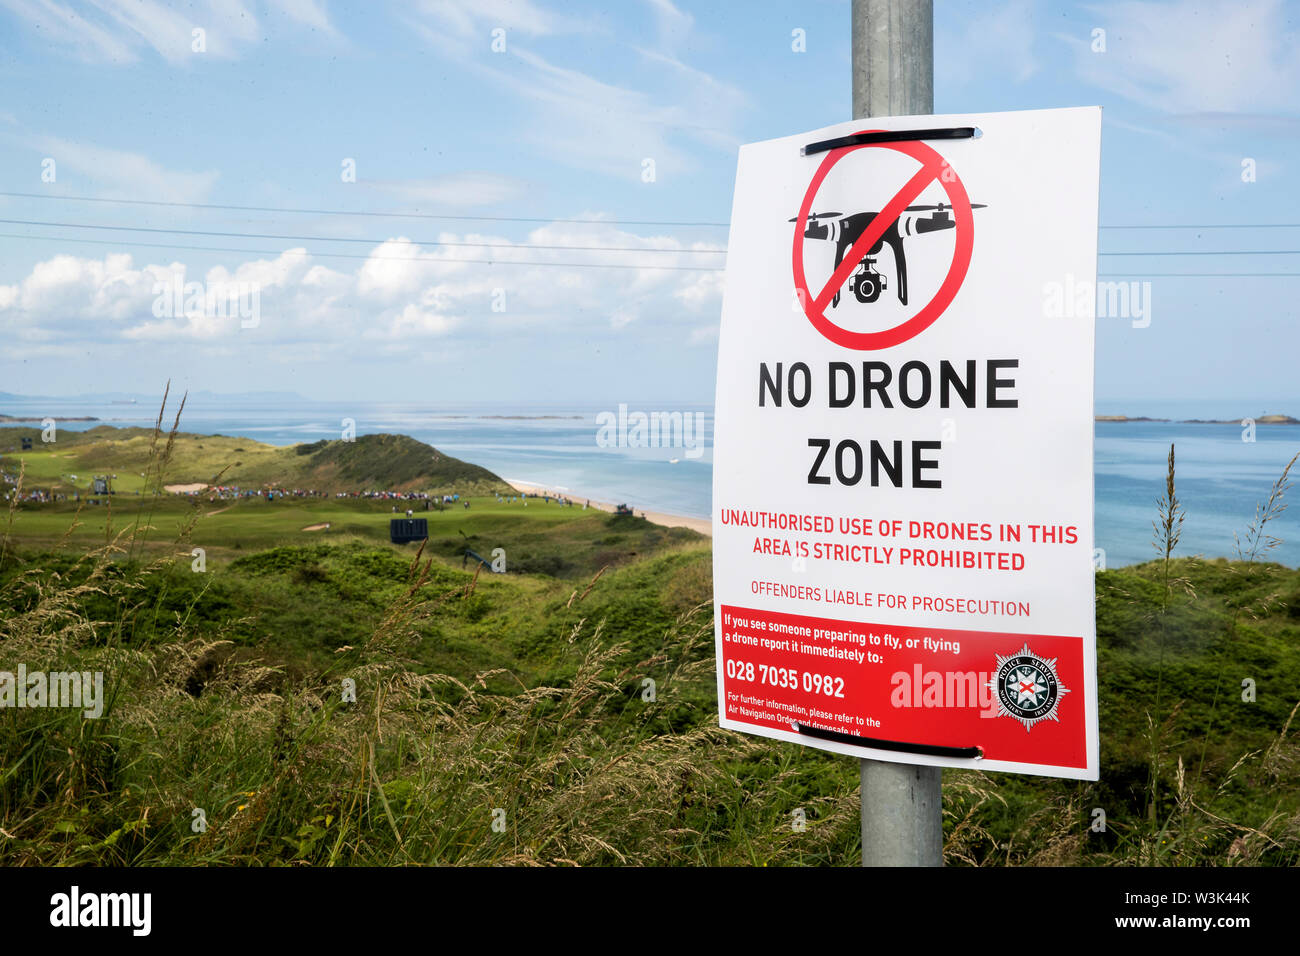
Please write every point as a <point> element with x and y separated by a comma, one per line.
<point>326,697</point>
<point>526,691</point>
<point>378,462</point>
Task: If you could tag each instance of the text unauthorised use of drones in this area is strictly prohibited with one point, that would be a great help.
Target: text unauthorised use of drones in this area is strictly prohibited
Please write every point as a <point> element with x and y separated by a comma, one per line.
<point>903,460</point>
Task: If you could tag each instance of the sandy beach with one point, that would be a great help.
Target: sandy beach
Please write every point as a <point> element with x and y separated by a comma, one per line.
<point>702,525</point>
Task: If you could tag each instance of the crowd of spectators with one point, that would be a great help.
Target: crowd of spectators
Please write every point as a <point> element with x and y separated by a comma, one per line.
<point>215,493</point>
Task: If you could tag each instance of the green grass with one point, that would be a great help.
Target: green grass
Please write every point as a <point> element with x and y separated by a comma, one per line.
<point>559,540</point>
<point>526,692</point>
<point>369,462</point>
<point>296,619</point>
<point>257,555</point>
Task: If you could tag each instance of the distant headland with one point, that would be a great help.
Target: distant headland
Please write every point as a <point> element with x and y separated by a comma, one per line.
<point>1261,420</point>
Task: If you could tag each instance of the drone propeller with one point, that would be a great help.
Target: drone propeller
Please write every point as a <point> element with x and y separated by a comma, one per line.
<point>942,206</point>
<point>818,215</point>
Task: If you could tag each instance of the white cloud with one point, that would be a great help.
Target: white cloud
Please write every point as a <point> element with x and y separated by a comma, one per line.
<point>415,320</point>
<point>167,31</point>
<point>283,272</point>
<point>674,25</point>
<point>1174,133</point>
<point>699,293</point>
<point>400,295</point>
<point>184,329</point>
<point>586,122</point>
<point>120,31</point>
<point>460,190</point>
<point>393,270</point>
<point>309,13</point>
<point>704,335</point>
<point>717,104</point>
<point>592,124</point>
<point>980,41</point>
<point>124,174</point>
<point>64,26</point>
<point>70,290</point>
<point>468,17</point>
<point>1196,56</point>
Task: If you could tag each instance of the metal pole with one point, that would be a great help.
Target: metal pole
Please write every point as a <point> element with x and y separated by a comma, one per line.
<point>902,818</point>
<point>893,75</point>
<point>893,58</point>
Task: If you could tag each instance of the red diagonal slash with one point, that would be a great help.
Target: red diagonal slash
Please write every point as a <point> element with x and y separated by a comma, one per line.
<point>884,219</point>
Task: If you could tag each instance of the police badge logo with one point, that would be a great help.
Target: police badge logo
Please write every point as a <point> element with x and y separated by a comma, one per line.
<point>1027,687</point>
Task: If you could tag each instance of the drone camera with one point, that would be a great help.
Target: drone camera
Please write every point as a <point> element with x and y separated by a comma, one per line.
<point>867,284</point>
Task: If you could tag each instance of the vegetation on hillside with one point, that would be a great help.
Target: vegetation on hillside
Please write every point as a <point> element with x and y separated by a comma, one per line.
<point>367,462</point>
<point>565,712</point>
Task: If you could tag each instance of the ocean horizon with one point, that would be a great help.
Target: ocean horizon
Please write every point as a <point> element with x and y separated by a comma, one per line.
<point>1221,478</point>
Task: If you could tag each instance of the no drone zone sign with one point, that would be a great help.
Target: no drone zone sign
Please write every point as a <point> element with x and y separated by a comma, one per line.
<point>903,460</point>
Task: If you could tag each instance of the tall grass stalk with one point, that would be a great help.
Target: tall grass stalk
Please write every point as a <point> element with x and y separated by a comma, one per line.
<point>1168,529</point>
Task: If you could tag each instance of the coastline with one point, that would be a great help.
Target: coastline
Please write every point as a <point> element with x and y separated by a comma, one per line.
<point>703,525</point>
<point>1261,420</point>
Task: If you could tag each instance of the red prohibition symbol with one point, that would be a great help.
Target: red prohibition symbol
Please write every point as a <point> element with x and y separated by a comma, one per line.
<point>933,169</point>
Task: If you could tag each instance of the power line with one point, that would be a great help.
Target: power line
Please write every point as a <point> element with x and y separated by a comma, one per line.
<point>1198,252</point>
<point>345,255</point>
<point>292,238</point>
<point>579,265</point>
<point>1208,225</point>
<point>587,221</point>
<point>1192,275</point>
<point>531,246</point>
<point>1195,275</point>
<point>355,212</point>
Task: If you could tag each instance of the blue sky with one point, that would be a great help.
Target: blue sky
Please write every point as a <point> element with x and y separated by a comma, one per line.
<point>557,126</point>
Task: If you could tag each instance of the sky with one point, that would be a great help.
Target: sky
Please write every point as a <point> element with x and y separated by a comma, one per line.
<point>362,130</point>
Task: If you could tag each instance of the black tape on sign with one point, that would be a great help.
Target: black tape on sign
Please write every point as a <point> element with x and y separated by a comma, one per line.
<point>890,136</point>
<point>929,750</point>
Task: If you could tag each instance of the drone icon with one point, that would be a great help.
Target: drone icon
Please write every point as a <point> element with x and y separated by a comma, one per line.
<point>867,283</point>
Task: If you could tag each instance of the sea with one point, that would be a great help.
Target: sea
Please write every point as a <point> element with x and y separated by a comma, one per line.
<point>1221,478</point>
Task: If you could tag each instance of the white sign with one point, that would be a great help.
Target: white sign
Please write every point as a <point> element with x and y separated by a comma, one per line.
<point>903,473</point>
